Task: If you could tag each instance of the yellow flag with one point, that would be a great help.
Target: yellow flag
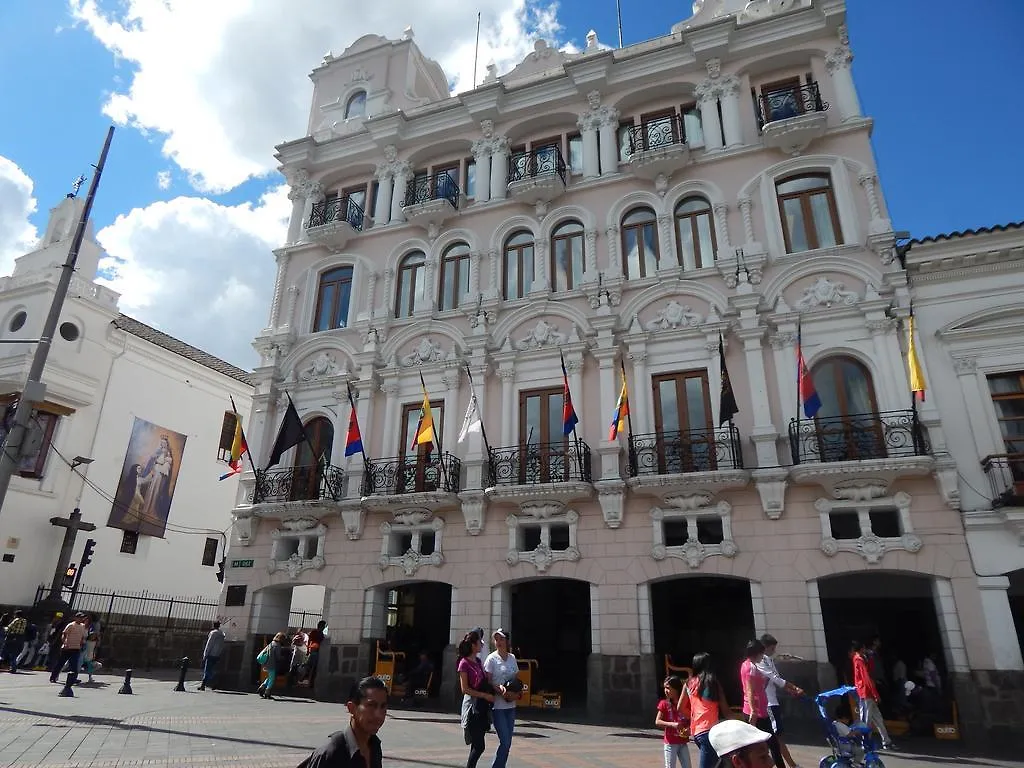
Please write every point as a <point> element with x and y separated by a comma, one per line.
<point>237,444</point>
<point>917,386</point>
<point>425,428</point>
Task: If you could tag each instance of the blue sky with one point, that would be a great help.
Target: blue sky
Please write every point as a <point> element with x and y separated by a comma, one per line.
<point>947,110</point>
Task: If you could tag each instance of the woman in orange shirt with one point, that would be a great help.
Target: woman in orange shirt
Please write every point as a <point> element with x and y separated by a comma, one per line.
<point>703,701</point>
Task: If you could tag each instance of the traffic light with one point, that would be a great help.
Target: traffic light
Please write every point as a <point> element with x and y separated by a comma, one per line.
<point>220,571</point>
<point>90,545</point>
<point>69,575</point>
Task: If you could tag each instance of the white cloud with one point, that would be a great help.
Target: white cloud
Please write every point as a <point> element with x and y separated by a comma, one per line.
<point>163,179</point>
<point>199,271</point>
<point>224,82</point>
<point>17,235</point>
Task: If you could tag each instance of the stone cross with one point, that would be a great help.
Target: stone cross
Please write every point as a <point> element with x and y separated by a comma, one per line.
<point>71,524</point>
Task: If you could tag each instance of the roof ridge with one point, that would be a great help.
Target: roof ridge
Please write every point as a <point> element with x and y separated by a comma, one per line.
<point>967,232</point>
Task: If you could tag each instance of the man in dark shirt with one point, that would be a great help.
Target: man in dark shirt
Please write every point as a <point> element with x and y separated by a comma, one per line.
<point>357,746</point>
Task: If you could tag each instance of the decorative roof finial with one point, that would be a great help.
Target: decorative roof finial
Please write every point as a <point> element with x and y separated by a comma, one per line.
<point>76,185</point>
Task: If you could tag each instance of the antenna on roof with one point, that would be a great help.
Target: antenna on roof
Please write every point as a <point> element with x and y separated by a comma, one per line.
<point>476,51</point>
<point>618,12</point>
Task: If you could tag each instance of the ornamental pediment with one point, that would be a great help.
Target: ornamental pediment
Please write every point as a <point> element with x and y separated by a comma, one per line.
<point>996,321</point>
<point>543,58</point>
<point>677,314</point>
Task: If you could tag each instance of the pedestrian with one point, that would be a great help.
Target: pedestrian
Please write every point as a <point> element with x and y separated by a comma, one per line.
<point>867,693</point>
<point>211,654</point>
<point>704,703</point>
<point>476,698</point>
<point>52,641</point>
<point>28,652</point>
<point>14,640</point>
<point>72,640</point>
<point>741,745</point>
<point>503,674</point>
<point>675,722</point>
<point>316,639</point>
<point>300,657</point>
<point>485,649</point>
<point>277,657</point>
<point>755,697</point>
<point>89,662</point>
<point>775,683</point>
<point>358,745</point>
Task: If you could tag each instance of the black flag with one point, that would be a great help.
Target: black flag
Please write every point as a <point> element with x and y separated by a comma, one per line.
<point>292,433</point>
<point>727,407</point>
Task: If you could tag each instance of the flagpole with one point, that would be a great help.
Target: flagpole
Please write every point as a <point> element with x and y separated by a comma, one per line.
<point>352,403</point>
<point>242,430</point>
<point>910,348</point>
<point>472,394</point>
<point>575,435</point>
<point>629,411</point>
<point>437,432</point>
<point>305,434</point>
<point>799,376</point>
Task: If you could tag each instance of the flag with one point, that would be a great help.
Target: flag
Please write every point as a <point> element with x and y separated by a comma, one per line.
<point>238,450</point>
<point>569,418</point>
<point>291,434</point>
<point>917,385</point>
<point>354,440</point>
<point>621,415</point>
<point>425,427</point>
<point>727,407</point>
<point>472,422</point>
<point>805,382</point>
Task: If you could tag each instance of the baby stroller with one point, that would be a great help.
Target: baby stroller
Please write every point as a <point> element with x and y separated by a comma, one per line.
<point>853,746</point>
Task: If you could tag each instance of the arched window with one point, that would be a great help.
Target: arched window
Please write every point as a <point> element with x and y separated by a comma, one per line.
<point>412,282</point>
<point>312,456</point>
<point>517,275</point>
<point>848,425</point>
<point>640,243</point>
<point>567,256</point>
<point>695,233</point>
<point>810,219</point>
<point>454,276</point>
<point>333,295</point>
<point>356,105</point>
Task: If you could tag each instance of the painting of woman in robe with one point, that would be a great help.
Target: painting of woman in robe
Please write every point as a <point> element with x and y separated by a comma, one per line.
<point>146,488</point>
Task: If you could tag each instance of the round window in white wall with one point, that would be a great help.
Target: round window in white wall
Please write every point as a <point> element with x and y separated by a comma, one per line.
<point>68,331</point>
<point>18,321</point>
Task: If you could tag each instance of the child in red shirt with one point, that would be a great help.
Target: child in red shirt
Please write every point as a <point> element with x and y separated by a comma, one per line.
<point>675,723</point>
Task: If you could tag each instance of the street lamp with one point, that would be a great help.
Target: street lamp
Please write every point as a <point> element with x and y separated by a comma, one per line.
<point>80,460</point>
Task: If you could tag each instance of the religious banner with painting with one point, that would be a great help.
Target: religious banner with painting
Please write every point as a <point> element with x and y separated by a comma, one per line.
<point>150,472</point>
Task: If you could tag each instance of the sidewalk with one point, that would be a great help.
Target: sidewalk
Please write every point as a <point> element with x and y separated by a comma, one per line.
<point>160,727</point>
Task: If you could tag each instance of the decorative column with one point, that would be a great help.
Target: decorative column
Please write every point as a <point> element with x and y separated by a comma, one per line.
<point>721,211</point>
<point>879,224</point>
<point>707,101</point>
<point>784,351</point>
<point>838,63</point>
<point>614,261</point>
<point>283,257</point>
<point>975,394</point>
<point>297,194</point>
<point>449,425</point>
<point>425,301</point>
<point>767,453</point>
<point>382,205</point>
<point>402,173</point>
<point>371,295</point>
<point>315,194</point>
<point>474,274</point>
<point>999,622</point>
<point>888,356</point>
<point>609,127</point>
<point>389,290</point>
<point>494,289</point>
<point>590,255</point>
<point>730,98</point>
<point>541,284</point>
<point>642,388</point>
<point>364,410</point>
<point>746,206</point>
<point>668,258</point>
<point>391,406</point>
<point>508,378</point>
<point>482,156</point>
<point>588,133</point>
<point>499,168</point>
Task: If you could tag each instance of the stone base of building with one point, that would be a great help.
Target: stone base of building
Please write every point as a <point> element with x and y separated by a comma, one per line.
<point>990,706</point>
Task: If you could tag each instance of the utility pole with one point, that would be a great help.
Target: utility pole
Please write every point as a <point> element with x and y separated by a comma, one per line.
<point>35,390</point>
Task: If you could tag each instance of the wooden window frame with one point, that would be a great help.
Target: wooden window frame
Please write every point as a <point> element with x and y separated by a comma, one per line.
<point>623,227</point>
<point>556,238</point>
<point>306,478</point>
<point>687,459</point>
<point>646,118</point>
<point>543,454</point>
<point>406,268</point>
<point>321,284</point>
<point>1015,460</point>
<point>414,467</point>
<point>695,235</point>
<point>458,262</point>
<point>862,438</point>
<point>507,248</point>
<point>804,196</point>
<point>793,83</point>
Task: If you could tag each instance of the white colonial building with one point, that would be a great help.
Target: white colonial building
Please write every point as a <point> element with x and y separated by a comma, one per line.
<point>626,211</point>
<point>146,408</point>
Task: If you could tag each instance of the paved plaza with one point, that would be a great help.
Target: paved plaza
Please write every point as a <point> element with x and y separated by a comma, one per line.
<point>160,727</point>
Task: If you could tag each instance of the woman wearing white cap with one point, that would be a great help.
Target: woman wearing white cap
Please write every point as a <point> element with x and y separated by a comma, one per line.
<point>741,745</point>
<point>502,669</point>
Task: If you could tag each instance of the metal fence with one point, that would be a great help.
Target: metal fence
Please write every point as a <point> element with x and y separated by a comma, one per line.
<point>303,619</point>
<point>143,609</point>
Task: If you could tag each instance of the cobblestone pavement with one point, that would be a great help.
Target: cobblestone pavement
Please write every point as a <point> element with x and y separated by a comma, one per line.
<point>160,727</point>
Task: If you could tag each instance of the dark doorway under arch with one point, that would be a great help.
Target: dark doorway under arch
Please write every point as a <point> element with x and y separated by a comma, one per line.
<point>419,621</point>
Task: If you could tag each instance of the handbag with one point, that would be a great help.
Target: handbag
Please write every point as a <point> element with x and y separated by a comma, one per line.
<point>263,656</point>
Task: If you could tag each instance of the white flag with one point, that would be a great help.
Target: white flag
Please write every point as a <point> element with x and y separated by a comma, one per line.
<point>472,421</point>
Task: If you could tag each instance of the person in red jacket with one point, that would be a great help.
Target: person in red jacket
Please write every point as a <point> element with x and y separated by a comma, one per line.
<point>867,693</point>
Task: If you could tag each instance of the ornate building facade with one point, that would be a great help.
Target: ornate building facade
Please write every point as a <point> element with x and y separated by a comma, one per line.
<point>651,211</point>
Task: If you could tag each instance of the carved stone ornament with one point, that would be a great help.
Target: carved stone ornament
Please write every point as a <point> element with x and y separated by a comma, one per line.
<point>295,565</point>
<point>673,316</point>
<point>473,507</point>
<point>542,510</point>
<point>690,508</point>
<point>298,524</point>
<point>243,527</point>
<point>862,499</point>
<point>544,334</point>
<point>542,557</point>
<point>323,366</point>
<point>611,496</point>
<point>406,517</point>
<point>360,75</point>
<point>352,517</point>
<point>825,292</point>
<point>411,561</point>
<point>427,351</point>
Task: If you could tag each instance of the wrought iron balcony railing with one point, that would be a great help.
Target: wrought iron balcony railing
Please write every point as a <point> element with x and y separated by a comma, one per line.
<point>323,483</point>
<point>856,437</point>
<point>412,474</point>
<point>335,209</point>
<point>439,186</point>
<point>656,134</point>
<point>1005,473</point>
<point>539,161</point>
<point>789,102</point>
<point>538,463</point>
<point>679,453</point>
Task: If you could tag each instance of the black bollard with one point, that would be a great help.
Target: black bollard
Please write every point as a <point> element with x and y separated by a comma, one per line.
<point>68,682</point>
<point>126,687</point>
<point>181,677</point>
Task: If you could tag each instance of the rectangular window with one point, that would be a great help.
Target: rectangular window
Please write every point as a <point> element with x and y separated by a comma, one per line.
<point>234,596</point>
<point>129,542</point>
<point>559,538</point>
<point>419,470</point>
<point>844,525</point>
<point>674,532</point>
<point>428,543</point>
<point>658,129</point>
<point>885,523</point>
<point>334,295</point>
<point>781,99</point>
<point>710,530</point>
<point>530,537</point>
<point>210,551</point>
<point>807,206</point>
<point>576,154</point>
<point>544,454</point>
<point>403,543</point>
<point>693,130</point>
<point>469,183</point>
<point>625,142</point>
<point>683,420</point>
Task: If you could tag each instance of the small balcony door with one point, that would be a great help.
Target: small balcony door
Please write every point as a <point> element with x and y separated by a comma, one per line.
<point>311,458</point>
<point>544,449</point>
<point>848,424</point>
<point>1008,398</point>
<point>684,422</point>
<point>419,468</point>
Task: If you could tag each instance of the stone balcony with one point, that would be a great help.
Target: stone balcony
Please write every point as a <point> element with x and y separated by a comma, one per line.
<point>537,177</point>
<point>658,148</point>
<point>670,464</point>
<point>427,481</point>
<point>430,201</point>
<point>334,222</point>
<point>791,118</point>
<point>559,471</point>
